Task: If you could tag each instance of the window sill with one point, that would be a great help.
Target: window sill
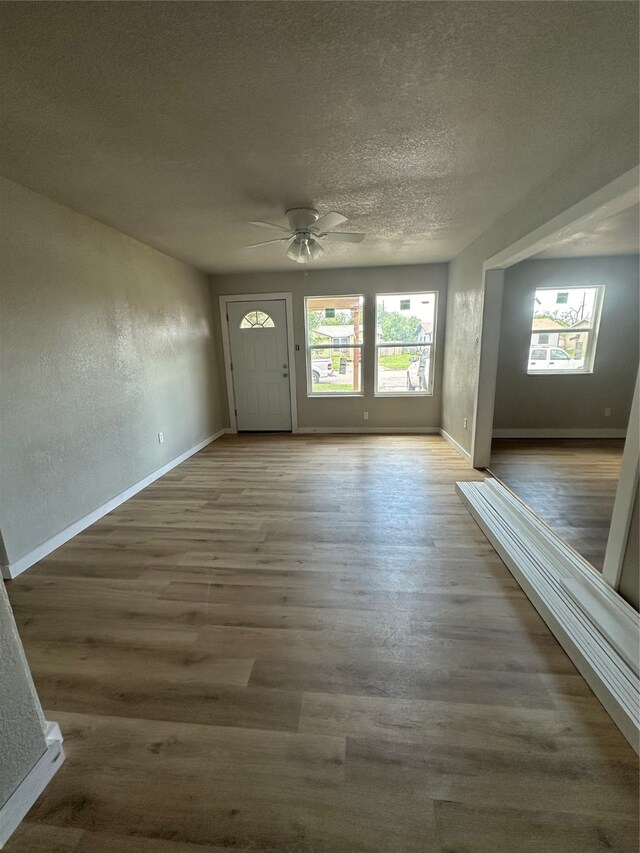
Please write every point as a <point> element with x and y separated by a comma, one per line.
<point>559,372</point>
<point>335,394</point>
<point>405,395</point>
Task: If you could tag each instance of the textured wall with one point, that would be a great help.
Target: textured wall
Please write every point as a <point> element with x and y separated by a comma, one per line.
<point>599,160</point>
<point>105,343</point>
<point>348,411</point>
<point>567,402</point>
<point>22,740</point>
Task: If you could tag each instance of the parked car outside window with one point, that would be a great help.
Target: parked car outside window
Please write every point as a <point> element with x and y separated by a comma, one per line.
<point>552,358</point>
<point>321,369</point>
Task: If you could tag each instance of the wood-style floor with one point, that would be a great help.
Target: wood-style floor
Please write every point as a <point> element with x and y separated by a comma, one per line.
<point>569,483</point>
<point>305,645</point>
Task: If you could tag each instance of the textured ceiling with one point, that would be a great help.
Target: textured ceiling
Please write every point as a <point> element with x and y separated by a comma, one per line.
<point>422,122</point>
<point>616,235</point>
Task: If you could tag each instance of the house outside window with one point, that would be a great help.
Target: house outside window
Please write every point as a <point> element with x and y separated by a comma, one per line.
<point>405,340</point>
<point>334,336</point>
<point>564,329</point>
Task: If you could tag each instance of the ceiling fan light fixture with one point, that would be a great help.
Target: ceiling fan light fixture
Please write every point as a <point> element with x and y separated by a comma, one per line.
<point>315,248</point>
<point>297,251</point>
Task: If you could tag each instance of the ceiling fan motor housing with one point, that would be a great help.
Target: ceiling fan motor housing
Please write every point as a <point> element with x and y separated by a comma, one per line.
<point>301,218</point>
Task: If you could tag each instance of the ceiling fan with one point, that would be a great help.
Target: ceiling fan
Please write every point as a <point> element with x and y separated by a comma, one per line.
<point>306,232</point>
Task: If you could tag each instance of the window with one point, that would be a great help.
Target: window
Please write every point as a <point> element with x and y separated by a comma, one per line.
<point>334,345</point>
<point>564,329</point>
<point>405,337</point>
<point>256,320</point>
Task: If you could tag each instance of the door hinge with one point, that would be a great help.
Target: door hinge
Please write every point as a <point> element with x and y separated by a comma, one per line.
<point>231,365</point>
<point>235,412</point>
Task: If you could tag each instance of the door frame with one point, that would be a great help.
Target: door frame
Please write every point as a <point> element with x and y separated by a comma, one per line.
<point>226,348</point>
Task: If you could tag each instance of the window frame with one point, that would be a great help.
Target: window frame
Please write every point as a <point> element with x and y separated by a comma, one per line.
<point>405,395</point>
<point>308,347</point>
<point>592,332</point>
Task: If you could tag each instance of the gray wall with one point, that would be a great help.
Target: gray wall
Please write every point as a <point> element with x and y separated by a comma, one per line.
<point>22,740</point>
<point>596,161</point>
<point>409,412</point>
<point>629,587</point>
<point>105,343</point>
<point>579,401</point>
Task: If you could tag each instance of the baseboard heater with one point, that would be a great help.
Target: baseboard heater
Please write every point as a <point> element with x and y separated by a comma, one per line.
<point>598,629</point>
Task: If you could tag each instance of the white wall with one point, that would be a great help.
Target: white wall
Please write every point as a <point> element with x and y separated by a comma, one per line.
<point>405,411</point>
<point>105,343</point>
<point>596,162</point>
<point>567,402</point>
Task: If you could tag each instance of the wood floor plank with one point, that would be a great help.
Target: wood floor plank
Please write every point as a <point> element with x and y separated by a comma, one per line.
<point>474,829</point>
<point>570,483</point>
<point>305,643</point>
<point>561,731</point>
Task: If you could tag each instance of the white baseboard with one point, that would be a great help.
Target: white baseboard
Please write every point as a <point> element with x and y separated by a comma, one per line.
<point>595,626</point>
<point>34,783</point>
<point>464,453</point>
<point>371,430</point>
<point>23,563</point>
<point>559,433</point>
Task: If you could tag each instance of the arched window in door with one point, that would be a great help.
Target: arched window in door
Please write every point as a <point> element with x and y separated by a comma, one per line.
<point>256,320</point>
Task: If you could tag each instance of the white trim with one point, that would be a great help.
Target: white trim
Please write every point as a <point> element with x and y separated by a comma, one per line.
<point>464,453</point>
<point>592,331</point>
<point>52,731</point>
<point>612,198</point>
<point>308,347</point>
<point>34,783</point>
<point>226,349</point>
<point>407,395</point>
<point>552,432</point>
<point>372,430</point>
<point>23,563</point>
<point>595,626</point>
<point>292,364</point>
<point>615,196</point>
<point>336,395</point>
<point>625,497</point>
<point>402,395</point>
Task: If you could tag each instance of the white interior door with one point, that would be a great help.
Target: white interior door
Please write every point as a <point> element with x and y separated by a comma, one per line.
<point>260,364</point>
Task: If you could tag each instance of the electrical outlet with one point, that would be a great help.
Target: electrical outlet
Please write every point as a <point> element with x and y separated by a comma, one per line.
<point>464,423</point>
<point>160,438</point>
<point>366,416</point>
<point>607,413</point>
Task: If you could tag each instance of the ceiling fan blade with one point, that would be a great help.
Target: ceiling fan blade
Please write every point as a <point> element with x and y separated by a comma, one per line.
<point>271,225</point>
<point>343,237</point>
<point>268,242</point>
<point>328,221</point>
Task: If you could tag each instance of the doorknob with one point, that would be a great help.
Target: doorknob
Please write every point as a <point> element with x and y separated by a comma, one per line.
<point>285,375</point>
